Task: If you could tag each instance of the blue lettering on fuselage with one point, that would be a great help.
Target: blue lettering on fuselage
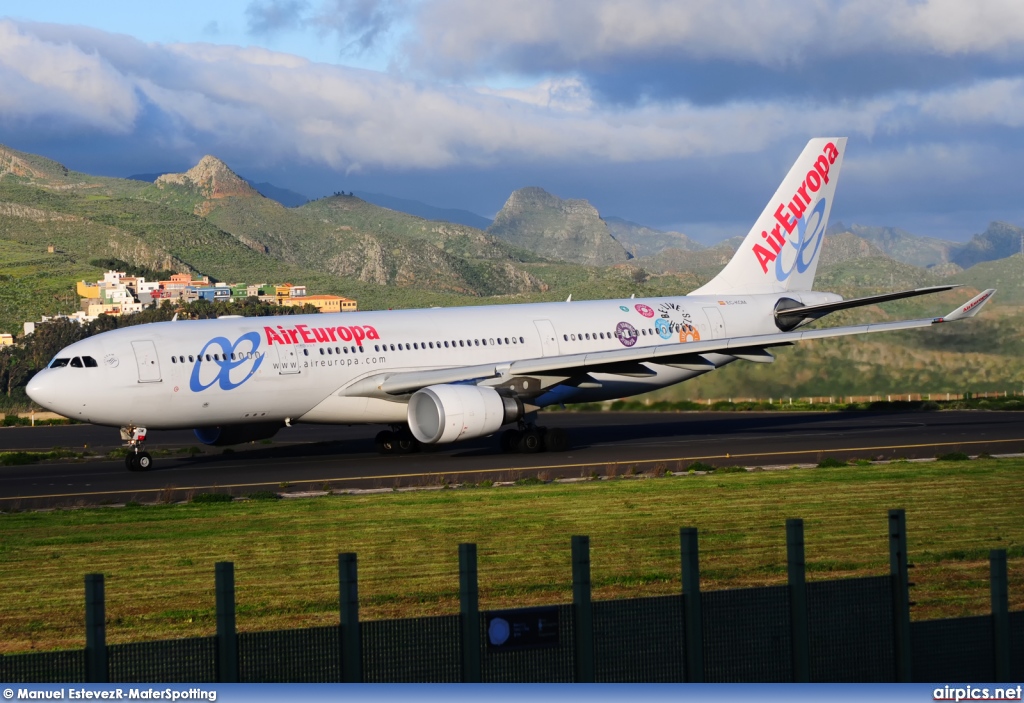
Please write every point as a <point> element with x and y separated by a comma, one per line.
<point>244,353</point>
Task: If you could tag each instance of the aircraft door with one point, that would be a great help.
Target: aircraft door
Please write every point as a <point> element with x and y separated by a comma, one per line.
<point>548,338</point>
<point>147,361</point>
<point>716,321</point>
<point>288,358</point>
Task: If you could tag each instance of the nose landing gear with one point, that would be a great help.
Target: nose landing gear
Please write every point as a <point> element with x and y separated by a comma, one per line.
<point>136,459</point>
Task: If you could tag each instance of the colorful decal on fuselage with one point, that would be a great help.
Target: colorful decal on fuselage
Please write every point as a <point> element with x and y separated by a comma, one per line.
<point>225,363</point>
<point>644,310</point>
<point>626,333</point>
<point>663,328</point>
<point>689,333</point>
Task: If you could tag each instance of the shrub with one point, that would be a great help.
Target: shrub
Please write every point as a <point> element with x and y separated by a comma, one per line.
<point>17,458</point>
<point>212,498</point>
<point>261,495</point>
<point>953,456</point>
<point>830,463</point>
<point>731,470</point>
<point>700,466</point>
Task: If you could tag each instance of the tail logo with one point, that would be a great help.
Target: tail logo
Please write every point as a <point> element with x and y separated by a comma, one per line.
<point>793,218</point>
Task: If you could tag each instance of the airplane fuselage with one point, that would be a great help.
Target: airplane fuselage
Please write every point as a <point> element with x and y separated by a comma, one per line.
<point>202,373</point>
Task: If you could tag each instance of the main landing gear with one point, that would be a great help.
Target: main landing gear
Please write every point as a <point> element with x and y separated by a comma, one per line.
<point>530,439</point>
<point>397,440</point>
<point>136,459</point>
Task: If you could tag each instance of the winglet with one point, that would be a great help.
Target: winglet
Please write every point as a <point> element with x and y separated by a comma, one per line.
<point>971,307</point>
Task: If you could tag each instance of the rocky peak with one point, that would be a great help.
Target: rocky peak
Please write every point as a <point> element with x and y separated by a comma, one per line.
<point>29,166</point>
<point>211,177</point>
<point>571,230</point>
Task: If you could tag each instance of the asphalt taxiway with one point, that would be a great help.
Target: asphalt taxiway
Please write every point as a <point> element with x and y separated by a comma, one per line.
<point>318,457</point>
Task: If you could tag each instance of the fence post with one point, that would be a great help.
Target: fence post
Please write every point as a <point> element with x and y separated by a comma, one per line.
<point>227,635</point>
<point>469,605</point>
<point>1000,614</point>
<point>351,643</point>
<point>798,600</point>
<point>900,593</point>
<point>96,670</point>
<point>584,617</point>
<point>692,618</point>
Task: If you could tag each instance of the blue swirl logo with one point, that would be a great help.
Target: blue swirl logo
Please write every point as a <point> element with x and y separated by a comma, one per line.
<point>804,242</point>
<point>229,365</point>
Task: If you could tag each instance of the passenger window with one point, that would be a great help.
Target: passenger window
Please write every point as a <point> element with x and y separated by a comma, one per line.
<point>506,340</point>
<point>190,358</point>
<point>174,359</point>
<point>90,363</point>
<point>76,362</point>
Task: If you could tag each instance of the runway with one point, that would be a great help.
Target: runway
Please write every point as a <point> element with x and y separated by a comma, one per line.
<point>316,458</point>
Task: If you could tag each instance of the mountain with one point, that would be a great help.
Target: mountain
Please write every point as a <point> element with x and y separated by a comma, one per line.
<point>288,198</point>
<point>212,178</point>
<point>999,241</point>
<point>901,245</point>
<point>346,236</point>
<point>427,212</point>
<point>640,240</point>
<point>570,230</point>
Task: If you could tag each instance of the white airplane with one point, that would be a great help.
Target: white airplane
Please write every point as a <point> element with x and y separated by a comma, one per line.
<point>443,375</point>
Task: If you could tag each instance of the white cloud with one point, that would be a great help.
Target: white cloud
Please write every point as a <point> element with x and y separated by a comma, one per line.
<point>43,79</point>
<point>276,107</point>
<point>465,37</point>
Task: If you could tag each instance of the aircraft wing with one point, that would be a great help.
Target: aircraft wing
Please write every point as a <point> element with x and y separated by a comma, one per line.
<point>627,362</point>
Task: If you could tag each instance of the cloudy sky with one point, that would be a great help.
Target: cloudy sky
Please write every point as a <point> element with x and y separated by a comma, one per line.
<point>678,115</point>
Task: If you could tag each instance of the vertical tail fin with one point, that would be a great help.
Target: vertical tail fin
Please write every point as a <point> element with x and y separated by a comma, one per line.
<point>781,251</point>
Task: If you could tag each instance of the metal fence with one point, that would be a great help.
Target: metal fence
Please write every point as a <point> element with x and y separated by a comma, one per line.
<point>850,630</point>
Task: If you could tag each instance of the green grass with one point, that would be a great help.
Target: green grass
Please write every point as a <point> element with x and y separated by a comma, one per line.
<point>159,560</point>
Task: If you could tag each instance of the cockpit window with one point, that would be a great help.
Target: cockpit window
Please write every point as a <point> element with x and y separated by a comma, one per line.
<point>90,363</point>
<point>57,363</point>
<point>76,362</point>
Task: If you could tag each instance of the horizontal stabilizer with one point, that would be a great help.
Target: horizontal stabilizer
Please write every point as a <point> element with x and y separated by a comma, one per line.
<point>790,316</point>
<point>971,307</point>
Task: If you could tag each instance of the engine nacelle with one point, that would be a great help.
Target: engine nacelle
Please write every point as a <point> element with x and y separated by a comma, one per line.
<point>448,413</point>
<point>237,434</point>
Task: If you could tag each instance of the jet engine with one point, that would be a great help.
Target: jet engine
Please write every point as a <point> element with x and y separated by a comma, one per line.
<point>448,413</point>
<point>237,434</point>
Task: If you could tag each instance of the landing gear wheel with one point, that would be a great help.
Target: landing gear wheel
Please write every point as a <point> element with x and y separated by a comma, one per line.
<point>510,441</point>
<point>385,441</point>
<point>406,444</point>
<point>530,441</point>
<point>556,440</point>
<point>138,461</point>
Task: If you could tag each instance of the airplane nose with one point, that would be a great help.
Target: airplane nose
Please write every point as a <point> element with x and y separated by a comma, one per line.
<point>41,389</point>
